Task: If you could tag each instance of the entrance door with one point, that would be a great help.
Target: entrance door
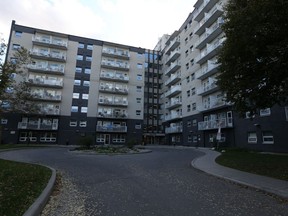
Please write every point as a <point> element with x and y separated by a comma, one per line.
<point>106,139</point>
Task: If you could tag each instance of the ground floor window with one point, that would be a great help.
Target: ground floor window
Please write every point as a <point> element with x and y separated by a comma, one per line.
<point>189,138</point>
<point>252,137</point>
<point>267,137</point>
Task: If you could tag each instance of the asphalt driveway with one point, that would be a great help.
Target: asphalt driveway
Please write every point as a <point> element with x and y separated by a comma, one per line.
<point>160,183</point>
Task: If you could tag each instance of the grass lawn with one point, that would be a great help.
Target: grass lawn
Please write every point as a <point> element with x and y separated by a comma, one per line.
<point>20,186</point>
<point>10,146</point>
<point>272,165</point>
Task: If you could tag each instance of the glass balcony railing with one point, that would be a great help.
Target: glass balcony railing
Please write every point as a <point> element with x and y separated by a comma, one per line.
<point>46,68</point>
<point>52,42</point>
<point>46,82</point>
<point>114,77</point>
<point>114,89</point>
<point>174,129</point>
<point>116,65</point>
<point>35,53</point>
<point>116,52</point>
<point>37,126</point>
<point>111,128</point>
<point>215,124</point>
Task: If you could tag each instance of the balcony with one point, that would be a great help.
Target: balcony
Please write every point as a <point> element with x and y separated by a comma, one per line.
<point>115,65</point>
<point>210,34</point>
<point>207,71</point>
<point>113,102</point>
<point>114,89</point>
<point>114,77</point>
<point>50,110</point>
<point>174,66</point>
<point>173,91</point>
<point>209,19</point>
<point>174,129</point>
<point>37,126</point>
<point>209,52</point>
<point>47,97</point>
<point>174,103</point>
<point>173,116</point>
<point>173,79</point>
<point>111,128</point>
<point>52,43</point>
<point>215,124</point>
<point>50,56</point>
<point>46,82</point>
<point>209,89</point>
<point>173,56</point>
<point>214,104</point>
<point>116,53</point>
<point>204,8</point>
<point>112,115</point>
<point>47,69</point>
<point>173,45</point>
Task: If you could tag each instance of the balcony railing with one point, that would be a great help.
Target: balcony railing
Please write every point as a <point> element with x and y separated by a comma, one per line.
<point>48,97</point>
<point>215,124</point>
<point>173,116</point>
<point>50,111</point>
<point>214,104</point>
<point>173,91</point>
<point>114,77</point>
<point>48,55</point>
<point>111,128</point>
<point>116,65</point>
<point>173,56</point>
<point>208,89</point>
<point>113,115</point>
<point>174,66</point>
<point>116,53</point>
<point>46,82</point>
<point>173,45</point>
<point>208,70</point>
<point>46,69</point>
<point>173,79</point>
<point>113,89</point>
<point>205,7</point>
<point>37,126</point>
<point>112,102</point>
<point>174,129</point>
<point>50,42</point>
<point>173,104</point>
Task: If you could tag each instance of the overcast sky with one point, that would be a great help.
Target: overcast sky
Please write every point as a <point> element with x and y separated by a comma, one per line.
<point>131,22</point>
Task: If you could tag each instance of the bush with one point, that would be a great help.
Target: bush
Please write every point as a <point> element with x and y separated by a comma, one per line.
<point>130,144</point>
<point>86,142</point>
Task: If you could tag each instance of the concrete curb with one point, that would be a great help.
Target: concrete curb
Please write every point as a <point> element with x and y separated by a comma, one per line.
<point>36,208</point>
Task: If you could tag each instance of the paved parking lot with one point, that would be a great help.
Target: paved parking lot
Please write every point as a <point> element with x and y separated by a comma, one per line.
<point>158,183</point>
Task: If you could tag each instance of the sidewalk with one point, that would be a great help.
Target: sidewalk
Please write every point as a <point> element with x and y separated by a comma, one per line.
<point>207,164</point>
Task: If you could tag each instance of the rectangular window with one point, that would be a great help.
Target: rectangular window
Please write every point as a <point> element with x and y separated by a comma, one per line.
<point>267,137</point>
<point>193,76</point>
<point>194,122</point>
<point>80,57</point>
<point>191,62</point>
<point>252,137</point>
<point>188,93</point>
<point>77,82</point>
<point>76,95</point>
<point>188,123</point>
<point>73,123</point>
<point>139,77</point>
<point>85,96</point>
<point>83,123</point>
<point>87,71</point>
<point>191,49</point>
<point>4,121</point>
<point>74,109</point>
<point>78,70</point>
<point>265,112</point>
<point>90,46</point>
<point>138,100</point>
<point>81,45</point>
<point>139,66</point>
<point>86,83</point>
<point>193,91</point>
<point>18,34</point>
<point>189,108</point>
<point>138,112</point>
<point>89,58</point>
<point>186,53</point>
<point>189,138</point>
<point>138,88</point>
<point>195,139</point>
<point>188,79</point>
<point>16,46</point>
<point>194,106</point>
<point>187,66</point>
<point>84,109</point>
<point>138,126</point>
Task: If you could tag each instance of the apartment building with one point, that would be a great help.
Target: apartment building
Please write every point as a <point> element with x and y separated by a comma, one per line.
<point>116,93</point>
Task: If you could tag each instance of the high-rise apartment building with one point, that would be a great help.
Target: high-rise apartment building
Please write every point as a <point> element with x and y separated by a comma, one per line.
<point>116,93</point>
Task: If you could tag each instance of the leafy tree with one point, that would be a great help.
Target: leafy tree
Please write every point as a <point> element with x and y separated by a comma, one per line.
<point>254,57</point>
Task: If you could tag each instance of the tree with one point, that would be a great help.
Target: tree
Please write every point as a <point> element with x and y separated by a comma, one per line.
<point>254,57</point>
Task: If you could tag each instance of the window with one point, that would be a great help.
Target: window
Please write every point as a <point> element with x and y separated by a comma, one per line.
<point>267,137</point>
<point>18,34</point>
<point>87,71</point>
<point>138,126</point>
<point>192,76</point>
<point>193,91</point>
<point>186,40</point>
<point>138,88</point>
<point>73,123</point>
<point>188,79</point>
<point>77,82</point>
<point>89,58</point>
<point>191,49</point>
<point>90,46</point>
<point>189,108</point>
<point>86,83</point>
<point>81,45</point>
<point>189,138</point>
<point>76,95</point>
<point>78,70</point>
<point>194,106</point>
<point>190,35</point>
<point>188,123</point>
<point>191,62</point>
<point>139,66</point>
<point>188,93</point>
<point>252,137</point>
<point>139,77</point>
<point>195,139</point>
<point>139,55</point>
<point>265,112</point>
<point>138,100</point>
<point>186,53</point>
<point>194,122</point>
<point>80,57</point>
<point>84,109</point>
<point>85,96</point>
<point>74,109</point>
<point>187,66</point>
<point>138,112</point>
<point>4,121</point>
<point>16,46</point>
<point>83,123</point>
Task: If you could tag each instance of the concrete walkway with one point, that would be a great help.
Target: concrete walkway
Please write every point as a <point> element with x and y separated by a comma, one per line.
<point>207,164</point>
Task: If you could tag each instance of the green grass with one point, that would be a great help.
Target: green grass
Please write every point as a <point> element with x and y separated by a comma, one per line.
<point>11,146</point>
<point>20,186</point>
<point>272,165</point>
